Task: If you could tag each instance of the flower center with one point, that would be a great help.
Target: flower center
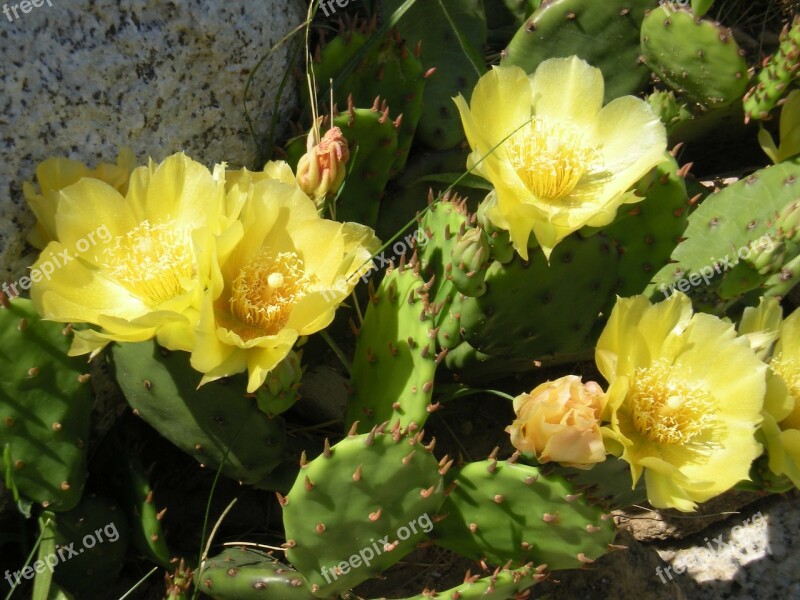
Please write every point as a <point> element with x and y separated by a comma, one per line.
<point>152,261</point>
<point>266,290</point>
<point>667,411</point>
<point>551,158</point>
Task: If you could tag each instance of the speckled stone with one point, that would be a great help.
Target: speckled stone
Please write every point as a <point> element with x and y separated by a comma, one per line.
<point>79,78</point>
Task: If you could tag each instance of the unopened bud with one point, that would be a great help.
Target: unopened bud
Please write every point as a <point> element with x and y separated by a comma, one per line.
<point>321,169</point>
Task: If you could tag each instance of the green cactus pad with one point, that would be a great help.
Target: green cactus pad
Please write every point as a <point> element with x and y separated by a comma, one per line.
<point>214,424</point>
<point>647,234</point>
<point>395,356</point>
<point>360,507</point>
<point>604,34</point>
<point>727,226</point>
<point>773,80</point>
<point>45,408</point>
<point>244,573</point>
<point>503,512</point>
<point>91,543</point>
<point>500,585</point>
<point>372,137</point>
<point>561,302</point>
<point>453,36</point>
<point>698,58</point>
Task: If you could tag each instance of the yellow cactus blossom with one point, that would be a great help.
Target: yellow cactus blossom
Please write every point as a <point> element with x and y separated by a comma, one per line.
<point>321,170</point>
<point>781,426</point>
<point>559,421</point>
<point>56,173</point>
<point>558,159</point>
<point>684,399</point>
<point>284,279</point>
<point>145,276</point>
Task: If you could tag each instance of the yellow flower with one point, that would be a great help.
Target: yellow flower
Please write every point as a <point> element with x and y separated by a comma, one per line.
<point>559,421</point>
<point>568,161</point>
<point>54,174</point>
<point>781,426</point>
<point>144,276</point>
<point>684,399</point>
<point>283,279</point>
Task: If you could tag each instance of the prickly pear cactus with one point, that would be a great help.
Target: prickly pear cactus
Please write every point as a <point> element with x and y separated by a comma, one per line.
<point>395,357</point>
<point>727,227</point>
<point>372,137</point>
<point>245,573</point>
<point>45,407</point>
<point>698,58</point>
<point>360,507</point>
<point>648,232</point>
<point>453,36</point>
<point>502,511</point>
<point>91,543</point>
<point>777,73</point>
<point>604,34</point>
<point>562,301</point>
<point>389,69</point>
<point>215,424</point>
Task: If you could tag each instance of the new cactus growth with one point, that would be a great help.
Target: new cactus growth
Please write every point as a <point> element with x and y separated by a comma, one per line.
<point>776,75</point>
<point>217,424</point>
<point>360,507</point>
<point>395,357</point>
<point>501,511</point>
<point>502,584</point>
<point>45,406</point>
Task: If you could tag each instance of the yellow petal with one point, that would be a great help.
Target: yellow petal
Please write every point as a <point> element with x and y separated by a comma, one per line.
<point>567,89</point>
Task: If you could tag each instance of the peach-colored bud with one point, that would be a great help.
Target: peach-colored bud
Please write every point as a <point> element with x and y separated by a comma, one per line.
<point>559,421</point>
<point>321,169</point>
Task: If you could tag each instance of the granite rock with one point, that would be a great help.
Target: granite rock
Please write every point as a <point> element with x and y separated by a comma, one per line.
<point>82,78</point>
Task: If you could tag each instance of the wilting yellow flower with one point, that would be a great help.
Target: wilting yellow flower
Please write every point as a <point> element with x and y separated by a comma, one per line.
<point>559,421</point>
<point>321,170</point>
<point>684,399</point>
<point>284,279</point>
<point>145,276</point>
<point>568,161</point>
<point>781,425</point>
<point>54,174</point>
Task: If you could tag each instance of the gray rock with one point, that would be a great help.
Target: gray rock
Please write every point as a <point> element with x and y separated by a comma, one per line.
<point>81,78</point>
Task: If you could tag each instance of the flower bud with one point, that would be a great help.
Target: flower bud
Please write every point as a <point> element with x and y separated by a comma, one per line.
<point>559,421</point>
<point>321,169</point>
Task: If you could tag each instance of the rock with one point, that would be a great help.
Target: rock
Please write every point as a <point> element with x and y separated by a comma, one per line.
<point>80,79</point>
